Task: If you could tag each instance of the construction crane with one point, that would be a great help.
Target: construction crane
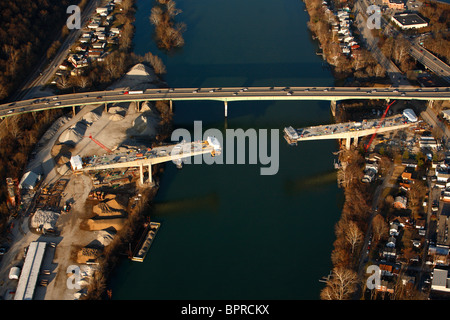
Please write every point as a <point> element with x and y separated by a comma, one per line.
<point>367,146</point>
<point>99,143</point>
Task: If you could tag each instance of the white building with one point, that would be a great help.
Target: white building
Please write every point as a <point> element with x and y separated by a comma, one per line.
<point>76,163</point>
<point>441,281</point>
<point>409,21</point>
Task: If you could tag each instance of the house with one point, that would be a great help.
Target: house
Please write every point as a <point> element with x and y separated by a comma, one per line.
<point>400,202</point>
<point>446,114</point>
<point>385,286</point>
<point>29,180</point>
<point>394,4</point>
<point>441,281</point>
<point>409,163</point>
<point>115,30</point>
<point>428,142</point>
<point>420,224</point>
<point>416,243</point>
<point>391,242</point>
<point>389,253</point>
<point>393,230</point>
<point>401,221</point>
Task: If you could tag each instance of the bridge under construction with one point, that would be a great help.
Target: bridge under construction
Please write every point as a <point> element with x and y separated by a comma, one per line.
<point>150,156</point>
<point>347,131</point>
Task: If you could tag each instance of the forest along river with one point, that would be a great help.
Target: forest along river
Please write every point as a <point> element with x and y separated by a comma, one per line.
<point>228,232</point>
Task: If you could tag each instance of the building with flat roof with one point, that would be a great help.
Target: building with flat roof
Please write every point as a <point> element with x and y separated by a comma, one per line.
<point>395,4</point>
<point>441,281</point>
<point>30,271</point>
<point>409,21</point>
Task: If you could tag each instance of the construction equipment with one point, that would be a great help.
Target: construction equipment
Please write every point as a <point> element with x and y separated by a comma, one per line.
<point>367,146</point>
<point>99,143</point>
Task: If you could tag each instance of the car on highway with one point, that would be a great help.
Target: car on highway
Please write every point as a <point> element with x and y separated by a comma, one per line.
<point>58,103</point>
<point>11,111</point>
<point>12,104</point>
<point>55,98</point>
<point>99,97</point>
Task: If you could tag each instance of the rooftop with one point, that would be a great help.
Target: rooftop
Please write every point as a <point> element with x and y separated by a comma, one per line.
<point>408,19</point>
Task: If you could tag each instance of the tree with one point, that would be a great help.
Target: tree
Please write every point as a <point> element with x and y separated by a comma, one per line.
<point>379,227</point>
<point>353,235</point>
<point>341,285</point>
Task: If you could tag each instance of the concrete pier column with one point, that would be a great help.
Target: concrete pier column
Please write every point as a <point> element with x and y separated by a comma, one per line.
<point>136,103</point>
<point>141,173</point>
<point>226,108</point>
<point>348,142</point>
<point>150,178</point>
<point>106,107</point>
<point>74,111</point>
<point>171,105</point>
<point>355,141</point>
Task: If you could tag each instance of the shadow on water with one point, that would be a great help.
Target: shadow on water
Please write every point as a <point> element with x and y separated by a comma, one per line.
<point>294,187</point>
<point>209,202</point>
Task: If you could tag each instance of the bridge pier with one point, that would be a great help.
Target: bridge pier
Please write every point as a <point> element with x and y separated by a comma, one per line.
<point>106,106</point>
<point>141,174</point>
<point>226,108</point>
<point>171,105</point>
<point>355,142</point>
<point>74,111</point>
<point>348,142</point>
<point>150,178</point>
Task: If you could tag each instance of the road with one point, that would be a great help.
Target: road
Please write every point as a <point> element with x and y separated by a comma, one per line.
<point>371,43</point>
<point>429,60</point>
<point>375,203</point>
<point>38,78</point>
<point>224,94</point>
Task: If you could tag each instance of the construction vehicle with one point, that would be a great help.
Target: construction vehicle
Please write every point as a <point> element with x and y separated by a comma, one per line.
<point>366,147</point>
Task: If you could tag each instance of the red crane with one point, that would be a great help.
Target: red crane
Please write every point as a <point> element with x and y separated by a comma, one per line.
<point>99,143</point>
<point>378,126</point>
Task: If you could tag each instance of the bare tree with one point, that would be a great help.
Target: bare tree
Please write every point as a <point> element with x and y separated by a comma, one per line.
<point>379,226</point>
<point>341,285</point>
<point>353,235</point>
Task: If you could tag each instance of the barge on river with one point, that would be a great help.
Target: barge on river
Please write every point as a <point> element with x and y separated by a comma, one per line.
<point>145,241</point>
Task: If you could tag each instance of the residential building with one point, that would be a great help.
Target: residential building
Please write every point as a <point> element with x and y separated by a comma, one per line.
<point>394,4</point>
<point>400,202</point>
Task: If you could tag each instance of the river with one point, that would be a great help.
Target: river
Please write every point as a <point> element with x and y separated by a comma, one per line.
<point>228,232</point>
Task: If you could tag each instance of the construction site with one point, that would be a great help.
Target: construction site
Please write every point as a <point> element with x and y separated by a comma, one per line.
<point>77,214</point>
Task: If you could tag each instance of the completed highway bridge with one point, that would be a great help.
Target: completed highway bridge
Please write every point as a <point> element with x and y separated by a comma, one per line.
<point>224,94</point>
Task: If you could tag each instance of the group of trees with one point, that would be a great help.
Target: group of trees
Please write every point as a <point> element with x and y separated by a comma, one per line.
<point>397,50</point>
<point>27,29</point>
<point>361,66</point>
<point>350,230</point>
<point>438,15</point>
<point>168,33</point>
